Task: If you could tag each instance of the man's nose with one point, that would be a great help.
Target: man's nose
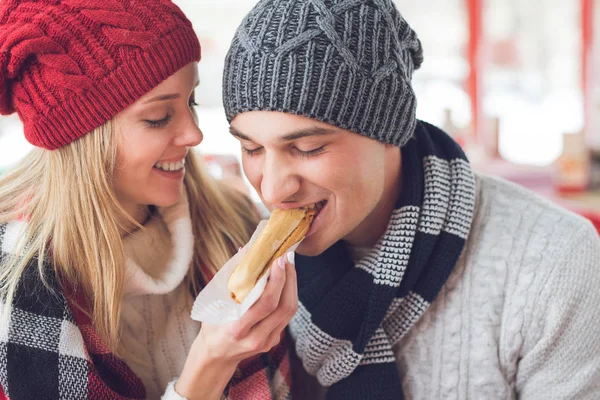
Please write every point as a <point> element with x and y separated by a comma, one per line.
<point>279,180</point>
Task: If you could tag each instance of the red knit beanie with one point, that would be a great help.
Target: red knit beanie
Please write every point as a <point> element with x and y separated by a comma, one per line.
<point>67,67</point>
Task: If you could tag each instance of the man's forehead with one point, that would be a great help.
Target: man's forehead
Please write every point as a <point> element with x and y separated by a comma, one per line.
<point>280,128</point>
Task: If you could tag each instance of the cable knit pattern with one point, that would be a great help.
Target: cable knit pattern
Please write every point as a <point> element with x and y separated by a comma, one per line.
<point>518,317</point>
<point>69,66</point>
<point>158,334</point>
<point>157,329</point>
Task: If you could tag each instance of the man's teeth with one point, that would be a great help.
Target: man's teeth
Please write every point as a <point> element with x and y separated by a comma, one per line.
<point>170,166</point>
<point>318,205</point>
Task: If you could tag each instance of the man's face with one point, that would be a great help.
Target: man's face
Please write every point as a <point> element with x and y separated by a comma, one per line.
<point>294,161</point>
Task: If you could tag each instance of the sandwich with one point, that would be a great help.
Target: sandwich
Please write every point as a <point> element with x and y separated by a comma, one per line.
<point>283,229</point>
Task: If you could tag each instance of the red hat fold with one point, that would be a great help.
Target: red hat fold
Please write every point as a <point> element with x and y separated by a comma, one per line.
<point>67,67</point>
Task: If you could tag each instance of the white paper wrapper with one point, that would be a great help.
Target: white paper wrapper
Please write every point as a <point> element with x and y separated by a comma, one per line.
<point>214,305</point>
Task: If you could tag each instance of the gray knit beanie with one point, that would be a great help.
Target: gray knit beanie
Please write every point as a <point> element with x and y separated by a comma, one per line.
<point>347,63</point>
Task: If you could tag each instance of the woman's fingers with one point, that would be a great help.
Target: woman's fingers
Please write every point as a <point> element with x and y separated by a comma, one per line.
<point>261,327</point>
<point>269,300</point>
<point>288,303</point>
<point>286,309</point>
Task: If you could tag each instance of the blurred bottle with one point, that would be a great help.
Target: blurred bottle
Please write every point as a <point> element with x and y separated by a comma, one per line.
<point>492,140</point>
<point>572,172</point>
<point>595,170</point>
<point>451,129</point>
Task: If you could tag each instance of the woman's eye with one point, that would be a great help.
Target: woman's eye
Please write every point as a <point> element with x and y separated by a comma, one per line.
<point>192,100</point>
<point>159,123</point>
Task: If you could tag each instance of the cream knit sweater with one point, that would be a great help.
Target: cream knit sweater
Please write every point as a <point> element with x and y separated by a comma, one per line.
<point>157,329</point>
<point>518,318</point>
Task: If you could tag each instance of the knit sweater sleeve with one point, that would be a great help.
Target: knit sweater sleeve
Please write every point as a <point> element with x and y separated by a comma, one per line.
<point>561,355</point>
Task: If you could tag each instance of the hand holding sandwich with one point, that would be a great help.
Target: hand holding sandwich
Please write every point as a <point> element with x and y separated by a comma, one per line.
<point>218,349</point>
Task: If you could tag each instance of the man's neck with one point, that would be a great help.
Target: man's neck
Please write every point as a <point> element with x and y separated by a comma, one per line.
<point>375,225</point>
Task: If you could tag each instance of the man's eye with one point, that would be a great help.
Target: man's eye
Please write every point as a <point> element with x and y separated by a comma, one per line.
<point>311,153</point>
<point>251,152</point>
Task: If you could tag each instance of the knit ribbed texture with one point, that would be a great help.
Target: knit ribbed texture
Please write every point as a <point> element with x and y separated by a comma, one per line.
<point>67,67</point>
<point>347,63</point>
<point>517,319</point>
<point>158,334</point>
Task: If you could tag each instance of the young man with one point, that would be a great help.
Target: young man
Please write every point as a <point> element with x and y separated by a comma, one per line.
<point>418,278</point>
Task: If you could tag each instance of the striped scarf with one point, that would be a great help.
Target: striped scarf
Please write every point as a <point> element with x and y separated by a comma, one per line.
<point>350,315</point>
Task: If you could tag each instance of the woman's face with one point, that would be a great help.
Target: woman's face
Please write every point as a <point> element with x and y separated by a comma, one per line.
<point>155,134</point>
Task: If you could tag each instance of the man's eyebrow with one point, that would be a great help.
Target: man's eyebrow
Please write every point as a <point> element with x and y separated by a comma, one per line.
<point>238,134</point>
<point>312,131</point>
<point>301,133</point>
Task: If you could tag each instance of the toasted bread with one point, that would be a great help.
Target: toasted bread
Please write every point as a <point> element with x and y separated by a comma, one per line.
<point>284,229</point>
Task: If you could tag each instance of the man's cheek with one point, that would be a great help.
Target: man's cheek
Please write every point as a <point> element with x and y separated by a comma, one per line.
<point>254,179</point>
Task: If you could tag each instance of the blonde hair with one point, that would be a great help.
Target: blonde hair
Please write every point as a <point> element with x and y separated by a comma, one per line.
<point>76,223</point>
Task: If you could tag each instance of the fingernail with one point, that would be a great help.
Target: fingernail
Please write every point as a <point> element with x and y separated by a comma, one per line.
<point>281,262</point>
<point>290,257</point>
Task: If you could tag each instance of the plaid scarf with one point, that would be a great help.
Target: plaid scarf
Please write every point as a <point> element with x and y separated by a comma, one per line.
<point>50,350</point>
<point>350,315</point>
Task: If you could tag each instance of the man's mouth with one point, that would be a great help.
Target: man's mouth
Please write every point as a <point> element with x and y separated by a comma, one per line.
<point>316,221</point>
<point>318,206</point>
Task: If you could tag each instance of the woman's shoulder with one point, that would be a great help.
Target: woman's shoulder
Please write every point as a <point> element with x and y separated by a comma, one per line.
<point>10,234</point>
<point>30,282</point>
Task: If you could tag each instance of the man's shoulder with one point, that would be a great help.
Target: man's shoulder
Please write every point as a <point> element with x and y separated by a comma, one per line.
<point>499,198</point>
<point>514,217</point>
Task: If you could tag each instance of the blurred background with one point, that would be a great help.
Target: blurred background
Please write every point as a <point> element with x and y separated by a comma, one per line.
<point>517,83</point>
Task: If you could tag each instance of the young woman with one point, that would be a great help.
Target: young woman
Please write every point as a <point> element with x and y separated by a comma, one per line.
<point>110,227</point>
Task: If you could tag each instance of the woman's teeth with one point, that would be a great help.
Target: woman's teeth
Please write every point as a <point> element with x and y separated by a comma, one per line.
<point>170,166</point>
